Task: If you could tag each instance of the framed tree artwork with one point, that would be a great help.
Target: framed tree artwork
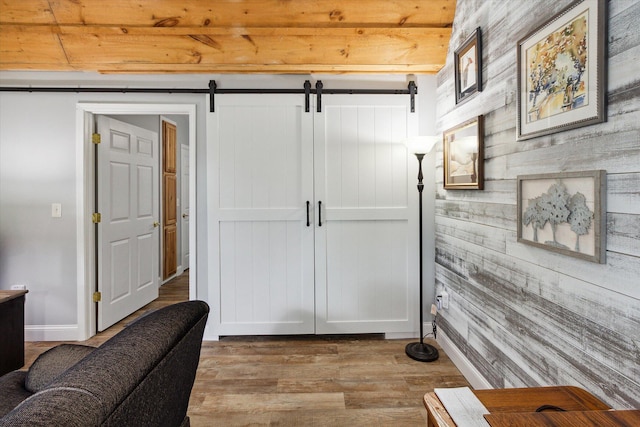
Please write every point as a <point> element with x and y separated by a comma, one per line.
<point>561,73</point>
<point>468,67</point>
<point>563,213</point>
<point>464,156</point>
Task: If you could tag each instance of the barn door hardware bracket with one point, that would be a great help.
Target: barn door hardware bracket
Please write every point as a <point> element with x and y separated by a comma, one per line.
<point>319,86</point>
<point>413,89</point>
<point>212,90</point>
<point>307,94</point>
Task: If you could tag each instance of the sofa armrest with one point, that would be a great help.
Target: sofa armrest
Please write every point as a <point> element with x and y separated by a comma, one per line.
<point>57,406</point>
<point>53,363</point>
<point>12,391</point>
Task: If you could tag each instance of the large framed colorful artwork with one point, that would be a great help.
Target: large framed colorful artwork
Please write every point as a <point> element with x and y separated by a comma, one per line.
<point>561,73</point>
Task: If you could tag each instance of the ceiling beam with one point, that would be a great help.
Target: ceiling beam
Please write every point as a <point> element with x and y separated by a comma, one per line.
<point>251,36</point>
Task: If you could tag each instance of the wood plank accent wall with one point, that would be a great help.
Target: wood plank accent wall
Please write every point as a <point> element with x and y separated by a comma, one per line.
<point>521,315</point>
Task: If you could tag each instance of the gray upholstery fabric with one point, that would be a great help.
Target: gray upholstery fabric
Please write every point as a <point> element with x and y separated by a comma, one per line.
<point>141,377</point>
<point>53,362</point>
<point>12,391</point>
<point>175,373</point>
<point>57,407</point>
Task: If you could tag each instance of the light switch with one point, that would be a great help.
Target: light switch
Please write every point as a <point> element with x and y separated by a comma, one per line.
<point>56,210</point>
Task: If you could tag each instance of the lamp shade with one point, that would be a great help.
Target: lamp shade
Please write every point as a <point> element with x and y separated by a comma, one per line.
<point>421,144</point>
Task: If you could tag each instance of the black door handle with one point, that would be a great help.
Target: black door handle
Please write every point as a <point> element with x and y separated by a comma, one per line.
<point>319,214</point>
<point>308,203</point>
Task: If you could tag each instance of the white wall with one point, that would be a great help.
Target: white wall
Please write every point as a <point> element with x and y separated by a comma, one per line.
<point>38,167</point>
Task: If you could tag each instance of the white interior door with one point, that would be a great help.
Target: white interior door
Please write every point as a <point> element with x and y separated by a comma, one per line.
<point>366,249</point>
<point>261,247</point>
<point>128,237</point>
<point>184,203</point>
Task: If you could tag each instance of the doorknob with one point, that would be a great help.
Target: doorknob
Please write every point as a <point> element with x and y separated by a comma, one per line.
<point>156,224</point>
<point>184,215</point>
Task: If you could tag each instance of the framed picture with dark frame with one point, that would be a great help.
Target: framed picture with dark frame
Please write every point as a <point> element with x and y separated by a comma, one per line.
<point>561,72</point>
<point>467,61</point>
<point>464,156</point>
<point>563,212</point>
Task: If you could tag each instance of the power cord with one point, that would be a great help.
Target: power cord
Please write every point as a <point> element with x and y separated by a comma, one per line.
<point>434,328</point>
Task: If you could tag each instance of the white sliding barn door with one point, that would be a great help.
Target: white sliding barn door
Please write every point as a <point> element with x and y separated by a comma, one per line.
<point>366,248</point>
<point>128,237</point>
<point>260,179</point>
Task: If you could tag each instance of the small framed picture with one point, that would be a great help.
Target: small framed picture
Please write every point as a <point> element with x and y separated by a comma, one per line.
<point>563,212</point>
<point>468,67</point>
<point>464,156</point>
<point>561,72</point>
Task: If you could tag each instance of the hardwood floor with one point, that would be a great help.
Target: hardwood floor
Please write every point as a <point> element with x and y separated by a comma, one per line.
<point>300,380</point>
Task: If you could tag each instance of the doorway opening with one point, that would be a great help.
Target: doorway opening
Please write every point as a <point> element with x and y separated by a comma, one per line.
<point>85,196</point>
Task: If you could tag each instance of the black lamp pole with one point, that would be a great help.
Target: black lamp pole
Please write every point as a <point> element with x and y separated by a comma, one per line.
<point>419,350</point>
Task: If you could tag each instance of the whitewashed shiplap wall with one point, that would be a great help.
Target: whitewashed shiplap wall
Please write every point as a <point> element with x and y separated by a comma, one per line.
<point>521,315</point>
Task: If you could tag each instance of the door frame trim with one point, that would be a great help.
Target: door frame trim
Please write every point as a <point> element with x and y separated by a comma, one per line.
<point>85,196</point>
<point>183,264</point>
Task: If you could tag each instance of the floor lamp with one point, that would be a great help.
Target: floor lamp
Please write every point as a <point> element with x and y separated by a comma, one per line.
<point>421,351</point>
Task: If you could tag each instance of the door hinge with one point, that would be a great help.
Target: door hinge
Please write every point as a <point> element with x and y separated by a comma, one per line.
<point>95,138</point>
<point>97,296</point>
<point>96,217</point>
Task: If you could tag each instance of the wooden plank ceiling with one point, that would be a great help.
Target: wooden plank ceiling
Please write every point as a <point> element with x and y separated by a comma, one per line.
<point>226,36</point>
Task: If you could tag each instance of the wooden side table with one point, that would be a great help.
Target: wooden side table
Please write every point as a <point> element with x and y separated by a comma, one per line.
<point>570,418</point>
<point>512,400</point>
<point>11,330</point>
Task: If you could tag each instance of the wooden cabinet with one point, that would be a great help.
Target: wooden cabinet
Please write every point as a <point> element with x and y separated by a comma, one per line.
<point>11,330</point>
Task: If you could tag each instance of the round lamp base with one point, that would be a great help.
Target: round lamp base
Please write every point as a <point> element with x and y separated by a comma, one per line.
<point>421,352</point>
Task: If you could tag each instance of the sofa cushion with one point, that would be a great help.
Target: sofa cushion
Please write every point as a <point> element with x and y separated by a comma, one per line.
<point>53,362</point>
<point>12,391</point>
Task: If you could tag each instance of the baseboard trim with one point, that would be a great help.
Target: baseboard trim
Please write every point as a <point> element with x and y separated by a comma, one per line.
<point>399,335</point>
<point>469,371</point>
<point>51,333</point>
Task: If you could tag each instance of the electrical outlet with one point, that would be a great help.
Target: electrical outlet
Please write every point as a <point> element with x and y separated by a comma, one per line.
<point>18,287</point>
<point>445,300</point>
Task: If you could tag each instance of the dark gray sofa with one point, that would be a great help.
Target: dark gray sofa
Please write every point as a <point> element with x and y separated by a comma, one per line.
<point>142,376</point>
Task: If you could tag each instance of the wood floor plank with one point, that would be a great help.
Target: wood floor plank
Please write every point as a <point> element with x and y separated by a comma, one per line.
<point>405,417</point>
<point>326,385</point>
<point>235,386</point>
<point>272,402</point>
<point>360,380</point>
